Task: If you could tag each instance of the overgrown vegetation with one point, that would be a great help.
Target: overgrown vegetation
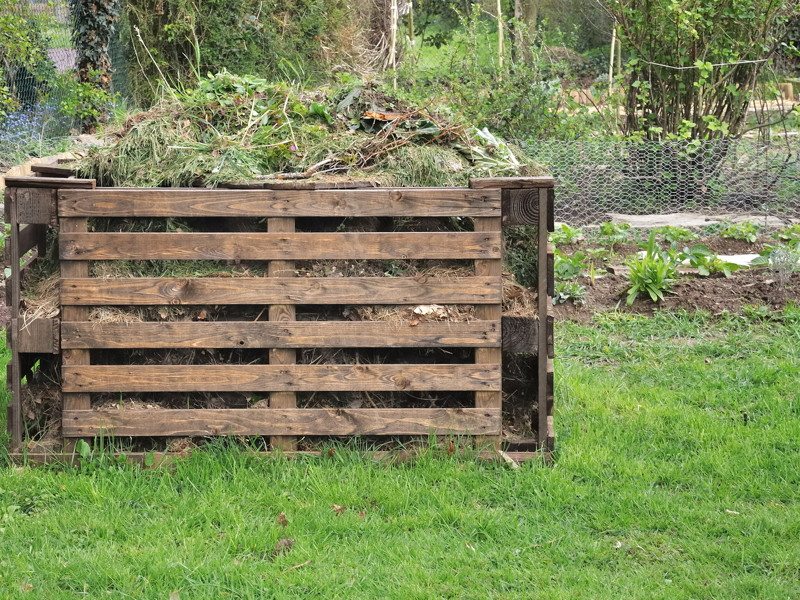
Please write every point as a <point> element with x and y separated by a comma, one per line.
<point>232,128</point>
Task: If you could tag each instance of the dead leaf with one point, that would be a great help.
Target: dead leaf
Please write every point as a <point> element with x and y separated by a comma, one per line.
<point>202,315</point>
<point>174,596</point>
<point>731,512</point>
<point>362,514</point>
<point>451,447</point>
<point>282,546</point>
<point>282,520</point>
<point>338,509</point>
<point>331,452</point>
<point>26,586</point>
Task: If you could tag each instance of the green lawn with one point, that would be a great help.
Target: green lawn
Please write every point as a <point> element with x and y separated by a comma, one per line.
<point>677,476</point>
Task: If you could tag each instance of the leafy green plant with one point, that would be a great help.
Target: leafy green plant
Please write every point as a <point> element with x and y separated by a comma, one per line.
<point>564,234</point>
<point>706,262</point>
<point>566,291</point>
<point>611,234</point>
<point>789,235</point>
<point>745,231</point>
<point>782,258</point>
<point>87,101</point>
<point>654,273</point>
<point>675,235</point>
<point>567,266</point>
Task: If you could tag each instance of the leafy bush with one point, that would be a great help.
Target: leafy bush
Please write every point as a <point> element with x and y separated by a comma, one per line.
<point>564,234</point>
<point>675,235</point>
<point>654,273</point>
<point>566,291</point>
<point>743,232</point>
<point>706,262</point>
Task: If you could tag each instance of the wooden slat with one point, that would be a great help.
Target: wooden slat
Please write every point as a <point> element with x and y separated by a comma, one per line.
<point>281,421</point>
<point>278,246</point>
<point>36,205</point>
<point>27,240</point>
<point>280,290</point>
<point>490,312</point>
<point>544,286</point>
<point>264,378</point>
<point>415,202</point>
<point>511,182</point>
<point>53,170</point>
<point>262,334</point>
<point>15,406</point>
<point>74,357</point>
<point>49,182</point>
<point>282,313</point>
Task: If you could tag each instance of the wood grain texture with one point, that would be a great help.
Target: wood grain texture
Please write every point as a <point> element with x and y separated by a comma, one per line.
<point>302,334</point>
<point>15,406</point>
<point>282,313</point>
<point>36,205</point>
<point>544,286</point>
<point>49,182</point>
<point>521,207</point>
<point>489,312</point>
<point>278,246</point>
<point>511,182</point>
<point>279,290</point>
<point>282,421</point>
<point>412,202</point>
<point>53,170</point>
<point>38,336</point>
<point>286,378</point>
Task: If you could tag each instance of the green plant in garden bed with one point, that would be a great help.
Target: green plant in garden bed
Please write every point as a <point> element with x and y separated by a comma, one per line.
<point>569,291</point>
<point>564,234</point>
<point>610,234</point>
<point>745,231</point>
<point>789,235</point>
<point>675,235</point>
<point>653,274</point>
<point>706,262</point>
<point>569,266</point>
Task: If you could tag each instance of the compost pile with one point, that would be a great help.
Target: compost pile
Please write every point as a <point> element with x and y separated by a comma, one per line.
<point>233,128</point>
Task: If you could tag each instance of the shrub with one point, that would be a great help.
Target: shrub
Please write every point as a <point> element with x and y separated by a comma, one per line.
<point>654,273</point>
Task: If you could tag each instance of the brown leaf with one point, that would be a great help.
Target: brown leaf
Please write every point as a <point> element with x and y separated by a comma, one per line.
<point>362,514</point>
<point>282,546</point>
<point>282,520</point>
<point>451,447</point>
<point>331,452</point>
<point>338,509</point>
<point>174,596</point>
<point>202,315</point>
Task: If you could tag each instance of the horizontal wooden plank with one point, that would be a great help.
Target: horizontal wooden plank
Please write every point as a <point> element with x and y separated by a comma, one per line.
<point>53,169</point>
<point>280,290</point>
<point>281,421</point>
<point>49,182</point>
<point>415,202</point>
<point>36,205</point>
<point>279,246</point>
<point>511,182</point>
<point>29,236</point>
<point>280,378</point>
<point>263,334</point>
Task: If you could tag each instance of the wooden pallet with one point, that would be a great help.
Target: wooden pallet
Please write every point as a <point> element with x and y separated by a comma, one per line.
<point>491,204</point>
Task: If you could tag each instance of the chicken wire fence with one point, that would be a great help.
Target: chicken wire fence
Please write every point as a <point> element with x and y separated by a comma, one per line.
<point>721,178</point>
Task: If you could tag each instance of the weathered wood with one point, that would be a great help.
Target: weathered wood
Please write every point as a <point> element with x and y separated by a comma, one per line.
<point>298,334</point>
<point>282,313</point>
<point>490,312</point>
<point>543,306</point>
<point>415,202</point>
<point>282,421</point>
<point>551,210</point>
<point>38,336</point>
<point>521,207</point>
<point>74,357</point>
<point>277,378</point>
<point>36,205</point>
<point>15,406</point>
<point>511,182</point>
<point>278,246</point>
<point>53,170</point>
<point>551,270</point>
<point>521,335</point>
<point>49,182</point>
<point>280,290</point>
<point>28,239</point>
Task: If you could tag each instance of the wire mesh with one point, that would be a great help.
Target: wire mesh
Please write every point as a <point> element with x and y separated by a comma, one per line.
<point>713,177</point>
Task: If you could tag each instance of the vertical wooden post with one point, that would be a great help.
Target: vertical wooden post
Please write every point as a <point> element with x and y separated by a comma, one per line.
<point>15,407</point>
<point>543,291</point>
<point>73,357</point>
<point>494,312</point>
<point>282,312</point>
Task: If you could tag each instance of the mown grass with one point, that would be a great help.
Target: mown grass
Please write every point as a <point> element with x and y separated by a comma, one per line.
<point>677,476</point>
